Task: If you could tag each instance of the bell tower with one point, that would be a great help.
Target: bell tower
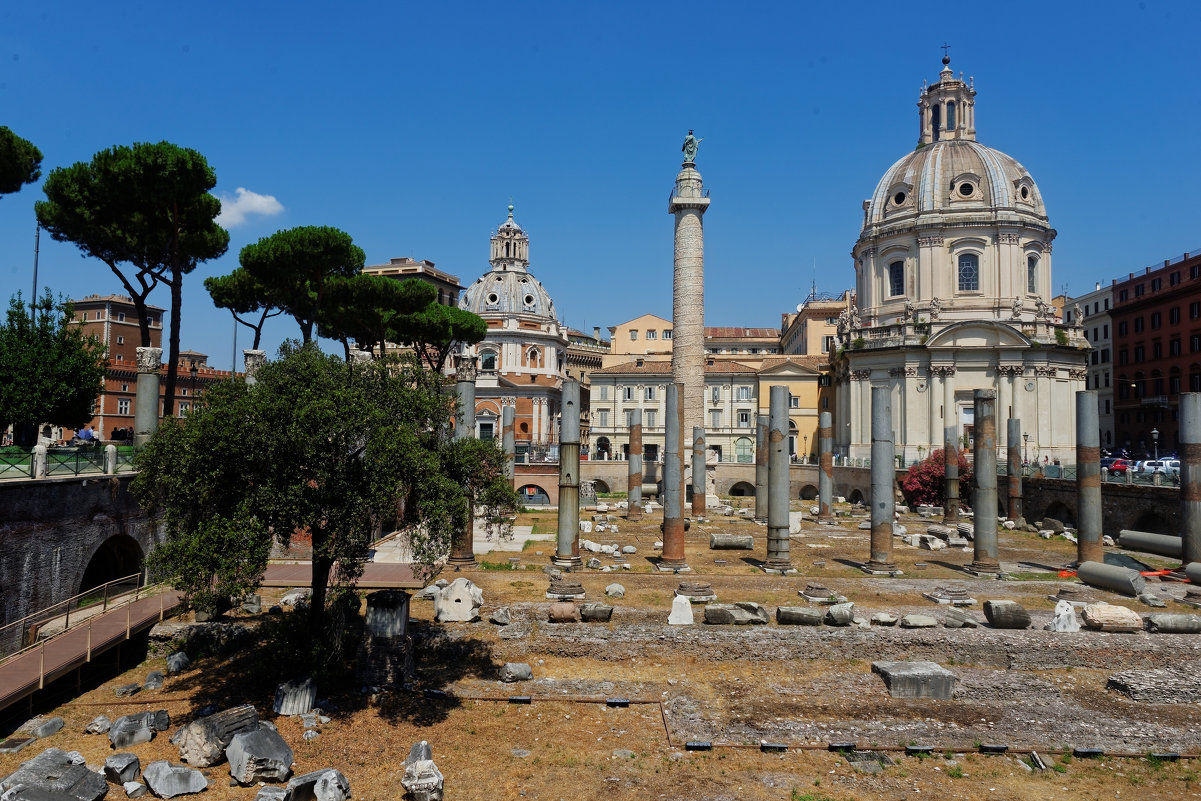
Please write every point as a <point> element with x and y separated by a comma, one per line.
<point>510,247</point>
<point>948,108</point>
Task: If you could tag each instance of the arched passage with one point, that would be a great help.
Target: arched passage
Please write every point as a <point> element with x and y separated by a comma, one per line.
<point>855,497</point>
<point>742,489</point>
<point>808,492</point>
<point>533,495</point>
<point>1060,511</point>
<point>118,556</point>
<point>601,486</point>
<point>1152,521</point>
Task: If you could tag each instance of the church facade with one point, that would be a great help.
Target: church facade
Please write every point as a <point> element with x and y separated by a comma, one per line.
<point>953,280</point>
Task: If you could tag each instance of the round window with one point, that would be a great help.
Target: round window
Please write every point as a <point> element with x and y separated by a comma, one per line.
<point>1025,193</point>
<point>966,189</point>
<point>529,300</point>
<point>898,198</point>
<point>493,298</point>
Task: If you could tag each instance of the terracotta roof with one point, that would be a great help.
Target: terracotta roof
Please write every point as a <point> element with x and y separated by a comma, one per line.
<point>663,367</point>
<point>813,361</point>
<point>737,331</point>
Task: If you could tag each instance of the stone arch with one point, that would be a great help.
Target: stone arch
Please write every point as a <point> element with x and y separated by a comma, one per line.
<point>533,495</point>
<point>601,485</point>
<point>604,449</point>
<point>1062,512</point>
<point>118,556</point>
<point>742,489</point>
<point>808,492</point>
<point>856,496</point>
<point>1152,520</point>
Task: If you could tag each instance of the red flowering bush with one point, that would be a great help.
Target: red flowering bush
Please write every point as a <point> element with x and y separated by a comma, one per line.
<point>925,484</point>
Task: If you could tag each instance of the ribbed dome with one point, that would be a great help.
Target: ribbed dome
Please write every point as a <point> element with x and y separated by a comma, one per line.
<point>505,292</point>
<point>954,178</point>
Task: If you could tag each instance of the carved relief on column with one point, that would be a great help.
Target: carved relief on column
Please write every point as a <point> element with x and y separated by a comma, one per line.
<point>929,241</point>
<point>1080,374</point>
<point>1046,372</point>
<point>861,375</point>
<point>464,368</point>
<point>1010,370</point>
<point>1009,239</point>
<point>942,370</point>
<point>149,359</point>
<point>901,372</point>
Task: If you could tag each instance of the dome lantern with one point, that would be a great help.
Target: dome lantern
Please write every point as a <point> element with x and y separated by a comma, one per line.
<point>947,109</point>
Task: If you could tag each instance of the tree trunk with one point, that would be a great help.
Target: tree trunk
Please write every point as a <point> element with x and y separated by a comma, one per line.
<point>322,566</point>
<point>173,358</point>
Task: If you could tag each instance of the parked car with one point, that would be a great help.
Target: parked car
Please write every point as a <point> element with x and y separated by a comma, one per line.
<point>1119,467</point>
<point>1107,461</point>
<point>1165,467</point>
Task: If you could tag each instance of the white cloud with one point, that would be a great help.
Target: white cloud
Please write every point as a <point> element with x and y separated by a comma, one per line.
<point>244,203</point>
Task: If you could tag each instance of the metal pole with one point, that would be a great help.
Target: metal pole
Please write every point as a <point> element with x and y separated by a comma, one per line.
<point>950,456</point>
<point>1013,460</point>
<point>634,477</point>
<point>462,552</point>
<point>1190,476</point>
<point>1088,479</point>
<point>673,481</point>
<point>508,442</point>
<point>825,476</point>
<point>567,554</point>
<point>778,500</point>
<point>698,471</point>
<point>761,455</point>
<point>884,481</point>
<point>985,560</point>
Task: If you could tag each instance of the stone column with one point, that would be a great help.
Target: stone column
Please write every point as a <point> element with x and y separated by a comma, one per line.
<point>253,360</point>
<point>462,553</point>
<point>146,400</point>
<point>567,553</point>
<point>778,559</point>
<point>825,478</point>
<point>985,560</point>
<point>110,459</point>
<point>698,472</point>
<point>1088,479</point>
<point>634,479</point>
<point>688,203</point>
<point>673,481</point>
<point>1013,460</point>
<point>884,480</point>
<point>508,443</point>
<point>761,455</point>
<point>950,456</point>
<point>1190,477</point>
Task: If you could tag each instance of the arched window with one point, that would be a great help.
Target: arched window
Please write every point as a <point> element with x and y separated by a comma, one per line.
<point>488,360</point>
<point>1032,274</point>
<point>950,115</point>
<point>969,272</point>
<point>896,278</point>
<point>744,450</point>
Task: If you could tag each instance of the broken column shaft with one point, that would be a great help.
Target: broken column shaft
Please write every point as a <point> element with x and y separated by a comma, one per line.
<point>778,560</point>
<point>462,552</point>
<point>1088,479</point>
<point>825,476</point>
<point>761,455</point>
<point>673,481</point>
<point>508,441</point>
<point>984,561</point>
<point>567,552</point>
<point>884,481</point>
<point>698,471</point>
<point>1013,461</point>
<point>950,461</point>
<point>634,476</point>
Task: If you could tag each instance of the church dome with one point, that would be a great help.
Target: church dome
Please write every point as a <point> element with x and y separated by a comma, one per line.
<point>507,292</point>
<point>955,178</point>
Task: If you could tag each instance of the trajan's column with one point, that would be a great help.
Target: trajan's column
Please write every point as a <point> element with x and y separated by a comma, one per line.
<point>688,204</point>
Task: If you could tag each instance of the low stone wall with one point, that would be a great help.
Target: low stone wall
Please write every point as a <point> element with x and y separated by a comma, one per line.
<point>1134,506</point>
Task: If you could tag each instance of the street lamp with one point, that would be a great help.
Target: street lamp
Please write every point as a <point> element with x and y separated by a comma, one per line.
<point>1155,441</point>
<point>805,452</point>
<point>1026,448</point>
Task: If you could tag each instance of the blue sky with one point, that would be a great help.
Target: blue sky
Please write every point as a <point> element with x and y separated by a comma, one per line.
<point>410,126</point>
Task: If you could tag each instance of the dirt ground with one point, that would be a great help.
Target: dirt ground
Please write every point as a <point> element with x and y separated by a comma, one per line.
<point>731,688</point>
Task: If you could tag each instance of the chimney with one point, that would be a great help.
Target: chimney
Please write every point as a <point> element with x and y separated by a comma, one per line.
<point>596,330</point>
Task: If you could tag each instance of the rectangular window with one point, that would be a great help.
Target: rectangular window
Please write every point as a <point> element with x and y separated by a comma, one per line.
<point>1122,358</point>
<point>1138,290</point>
<point>1156,283</point>
<point>1124,295</point>
<point>1174,315</point>
<point>604,391</point>
<point>627,393</point>
<point>1107,304</point>
<point>1157,350</point>
<point>629,417</point>
<point>896,278</point>
<point>744,393</point>
<point>633,335</point>
<point>1175,278</point>
<point>667,334</point>
<point>969,272</point>
<point>744,419</point>
<point>650,393</point>
<point>1104,355</point>
<point>85,317</point>
<point>652,334</point>
<point>1096,357</point>
<point>1094,335</point>
<point>120,340</point>
<point>827,344</point>
<point>793,401</point>
<point>1156,319</point>
<point>1106,378</point>
<point>1174,347</point>
<point>715,394</point>
<point>120,357</point>
<point>1107,406</point>
<point>1122,328</point>
<point>1194,343</point>
<point>123,406</point>
<point>1105,331</point>
<point>651,418</point>
<point>1139,354</point>
<point>602,418</point>
<point>715,418</point>
<point>125,387</point>
<point>1174,385</point>
<point>1195,272</point>
<point>1194,310</point>
<point>120,317</point>
<point>1138,324</point>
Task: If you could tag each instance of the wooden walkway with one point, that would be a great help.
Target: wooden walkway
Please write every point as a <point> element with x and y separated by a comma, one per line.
<point>24,674</point>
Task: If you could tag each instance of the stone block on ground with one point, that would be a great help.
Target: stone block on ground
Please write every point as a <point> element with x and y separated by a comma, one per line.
<point>840,614</point>
<point>320,785</point>
<point>1006,615</point>
<point>127,690</point>
<point>121,768</point>
<point>515,671</point>
<point>167,781</point>
<point>615,591</point>
<point>731,542</point>
<point>681,612</point>
<point>563,612</point>
<point>459,602</point>
<point>295,697</point>
<point>177,663</point>
<point>42,726</point>
<point>1110,617</point>
<point>203,741</point>
<point>918,622</point>
<point>154,680</point>
<point>422,780</point>
<point>59,775</point>
<point>594,564</point>
<point>742,613</point>
<point>916,679</point>
<point>259,755</point>
<point>501,616</point>
<point>134,789</point>
<point>140,727</point>
<point>798,616</point>
<point>596,613</point>
<point>959,619</point>
<point>98,725</point>
<point>1064,619</point>
<point>387,613</point>
<point>1174,624</point>
<point>883,619</point>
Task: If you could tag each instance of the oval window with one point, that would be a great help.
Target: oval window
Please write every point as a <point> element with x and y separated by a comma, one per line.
<point>529,300</point>
<point>966,189</point>
<point>898,198</point>
<point>1025,193</point>
<point>493,298</point>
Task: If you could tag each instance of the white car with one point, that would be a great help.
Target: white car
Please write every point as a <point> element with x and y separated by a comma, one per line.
<point>1165,467</point>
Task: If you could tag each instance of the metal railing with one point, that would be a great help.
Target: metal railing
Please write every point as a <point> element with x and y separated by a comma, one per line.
<point>18,463</point>
<point>27,632</point>
<point>73,461</point>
